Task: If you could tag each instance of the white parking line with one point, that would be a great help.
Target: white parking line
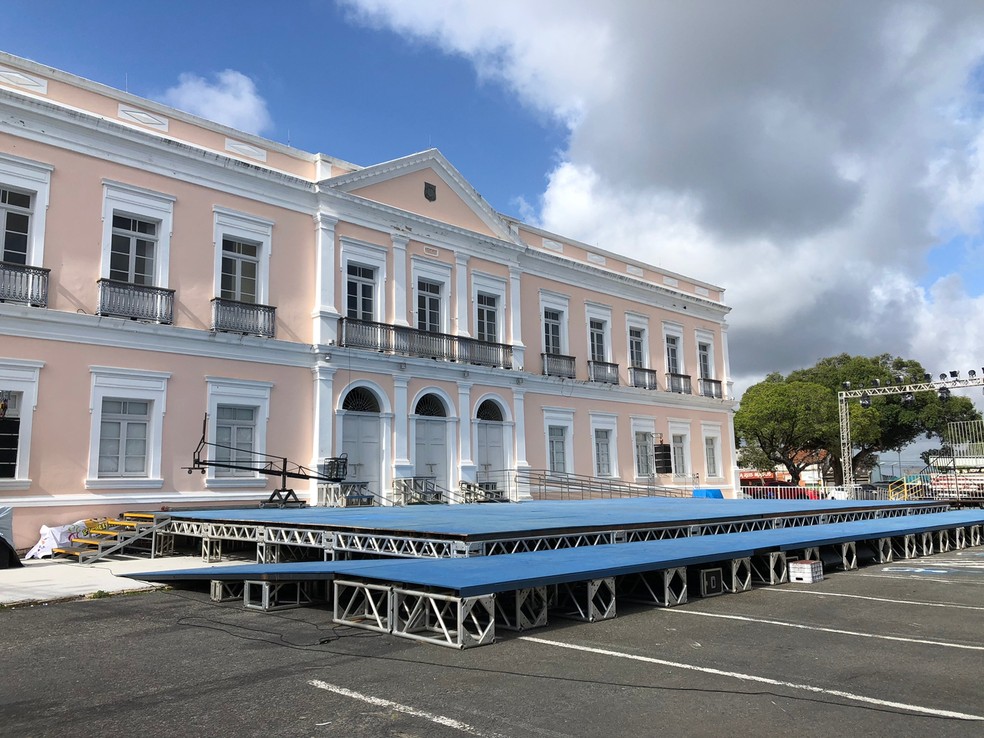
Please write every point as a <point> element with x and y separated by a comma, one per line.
<point>818,628</point>
<point>762,680</point>
<point>945,605</point>
<point>380,702</point>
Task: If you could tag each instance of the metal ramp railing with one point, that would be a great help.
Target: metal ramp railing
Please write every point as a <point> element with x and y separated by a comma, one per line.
<point>546,485</point>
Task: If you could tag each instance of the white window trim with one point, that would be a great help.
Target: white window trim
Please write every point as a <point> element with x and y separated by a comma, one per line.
<point>21,376</point>
<point>128,384</point>
<point>563,417</point>
<point>712,430</point>
<point>490,285</point>
<point>364,254</point>
<point>132,200</point>
<point>561,303</point>
<point>432,271</point>
<point>244,393</point>
<point>676,330</point>
<point>595,311</point>
<point>642,425</point>
<point>249,228</point>
<point>641,322</point>
<point>34,177</point>
<point>708,338</point>
<point>609,422</point>
<point>681,428</point>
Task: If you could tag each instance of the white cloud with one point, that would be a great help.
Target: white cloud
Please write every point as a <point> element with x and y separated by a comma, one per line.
<point>807,157</point>
<point>230,98</point>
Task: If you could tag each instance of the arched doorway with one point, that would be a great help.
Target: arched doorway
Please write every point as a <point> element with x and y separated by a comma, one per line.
<point>361,437</point>
<point>431,444</point>
<point>490,441</point>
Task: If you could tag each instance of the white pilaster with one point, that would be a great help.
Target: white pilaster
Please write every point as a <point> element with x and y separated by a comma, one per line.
<point>515,324</point>
<point>519,413</point>
<point>401,450</point>
<point>324,417</point>
<point>400,306</point>
<point>325,315</point>
<point>462,298</point>
<point>465,431</point>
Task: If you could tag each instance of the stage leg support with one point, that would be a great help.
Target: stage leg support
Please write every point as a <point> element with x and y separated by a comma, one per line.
<point>362,605</point>
<point>666,587</point>
<point>591,600</point>
<point>769,568</point>
<point>443,619</point>
<point>267,596</point>
<point>522,609</point>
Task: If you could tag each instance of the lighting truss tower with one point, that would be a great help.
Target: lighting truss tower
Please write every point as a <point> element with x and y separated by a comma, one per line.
<point>890,389</point>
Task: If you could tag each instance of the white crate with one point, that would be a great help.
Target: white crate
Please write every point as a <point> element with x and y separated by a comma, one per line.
<point>805,571</point>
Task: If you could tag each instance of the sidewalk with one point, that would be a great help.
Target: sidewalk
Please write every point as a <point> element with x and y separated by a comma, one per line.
<point>49,580</point>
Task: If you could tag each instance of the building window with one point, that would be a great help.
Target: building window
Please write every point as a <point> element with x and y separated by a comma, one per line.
<point>488,307</point>
<point>557,448</point>
<point>710,452</point>
<point>428,306</point>
<point>603,452</point>
<point>673,354</point>
<point>235,431</point>
<point>123,437</point>
<point>18,398</point>
<point>240,268</point>
<point>704,360</point>
<point>15,226</point>
<point>361,292</point>
<point>679,448</point>
<point>133,250</point>
<point>637,350</point>
<point>552,320</point>
<point>596,334</point>
<point>644,453</point>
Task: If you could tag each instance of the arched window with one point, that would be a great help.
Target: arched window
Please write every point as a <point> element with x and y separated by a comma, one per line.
<point>489,410</point>
<point>431,406</point>
<point>361,400</point>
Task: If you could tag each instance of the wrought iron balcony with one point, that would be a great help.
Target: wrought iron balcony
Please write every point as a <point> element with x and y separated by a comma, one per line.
<point>642,377</point>
<point>710,388</point>
<point>24,284</point>
<point>602,371</point>
<point>679,383</point>
<point>558,365</point>
<point>231,316</point>
<point>136,301</point>
<point>399,339</point>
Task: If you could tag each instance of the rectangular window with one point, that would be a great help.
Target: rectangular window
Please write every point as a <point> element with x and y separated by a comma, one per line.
<point>361,292</point>
<point>644,453</point>
<point>596,331</point>
<point>428,306</point>
<point>551,331</point>
<point>123,438</point>
<point>487,318</point>
<point>9,433</point>
<point>557,451</point>
<point>672,355</point>
<point>235,431</point>
<point>15,224</point>
<point>710,451</point>
<point>679,455</point>
<point>637,338</point>
<point>704,360</point>
<point>603,452</point>
<point>133,249</point>
<point>240,266</point>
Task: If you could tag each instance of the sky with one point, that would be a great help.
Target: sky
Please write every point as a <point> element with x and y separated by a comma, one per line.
<point>823,162</point>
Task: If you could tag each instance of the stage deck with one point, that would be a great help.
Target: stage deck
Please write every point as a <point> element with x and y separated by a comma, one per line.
<point>468,577</point>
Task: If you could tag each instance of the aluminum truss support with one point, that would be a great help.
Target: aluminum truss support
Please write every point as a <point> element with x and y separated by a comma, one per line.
<point>363,605</point>
<point>904,547</point>
<point>770,568</point>
<point>445,620</point>
<point>590,600</point>
<point>741,575</point>
<point>842,555</point>
<point>666,587</point>
<point>267,596</point>
<point>522,609</point>
<point>974,535</point>
<point>221,591</point>
<point>943,542</point>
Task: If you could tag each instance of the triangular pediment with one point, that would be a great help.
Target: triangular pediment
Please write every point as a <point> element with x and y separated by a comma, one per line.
<point>425,184</point>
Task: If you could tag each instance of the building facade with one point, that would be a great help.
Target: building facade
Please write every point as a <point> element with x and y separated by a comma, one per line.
<point>157,268</point>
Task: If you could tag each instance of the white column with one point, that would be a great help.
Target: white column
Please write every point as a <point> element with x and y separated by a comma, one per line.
<point>324,417</point>
<point>516,331</point>
<point>462,298</point>
<point>401,451</point>
<point>465,431</point>
<point>519,413</point>
<point>399,292</point>
<point>325,315</point>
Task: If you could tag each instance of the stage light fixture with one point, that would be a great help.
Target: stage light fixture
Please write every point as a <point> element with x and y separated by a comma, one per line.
<point>846,385</point>
<point>927,377</point>
<point>971,374</point>
<point>908,398</point>
<point>865,401</point>
<point>954,374</point>
<point>944,393</point>
<point>876,383</point>
<point>942,377</point>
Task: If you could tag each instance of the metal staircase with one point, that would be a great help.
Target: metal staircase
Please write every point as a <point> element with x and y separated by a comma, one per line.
<point>133,533</point>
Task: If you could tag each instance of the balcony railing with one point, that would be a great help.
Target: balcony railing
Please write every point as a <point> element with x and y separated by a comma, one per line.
<point>679,383</point>
<point>603,371</point>
<point>26,284</point>
<point>249,318</point>
<point>558,365</point>
<point>399,339</point>
<point>710,388</point>
<point>642,377</point>
<point>136,301</point>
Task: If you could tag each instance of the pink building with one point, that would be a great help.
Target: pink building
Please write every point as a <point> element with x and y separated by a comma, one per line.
<point>157,267</point>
